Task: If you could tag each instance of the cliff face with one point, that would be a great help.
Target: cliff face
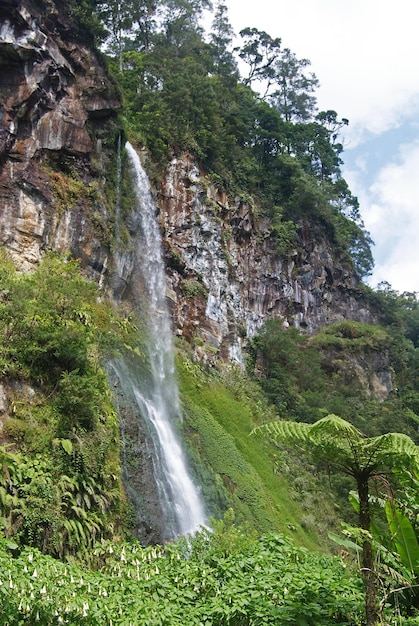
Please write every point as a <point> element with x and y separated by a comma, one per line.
<point>227,278</point>
<point>58,135</point>
<point>57,111</point>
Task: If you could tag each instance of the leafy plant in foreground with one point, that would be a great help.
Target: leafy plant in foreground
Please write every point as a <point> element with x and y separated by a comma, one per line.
<point>225,578</point>
<point>340,445</point>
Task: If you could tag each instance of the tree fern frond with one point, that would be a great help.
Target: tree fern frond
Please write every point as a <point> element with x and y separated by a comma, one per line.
<point>334,426</point>
<point>392,446</point>
<point>284,431</point>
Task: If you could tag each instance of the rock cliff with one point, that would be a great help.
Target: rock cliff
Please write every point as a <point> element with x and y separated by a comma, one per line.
<point>227,278</point>
<point>57,112</point>
<point>58,137</point>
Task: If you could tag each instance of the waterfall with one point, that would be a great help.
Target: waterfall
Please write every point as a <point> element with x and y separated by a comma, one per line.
<point>155,395</point>
<point>118,190</point>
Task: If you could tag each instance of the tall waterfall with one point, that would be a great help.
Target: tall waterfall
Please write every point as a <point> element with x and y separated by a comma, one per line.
<point>156,394</point>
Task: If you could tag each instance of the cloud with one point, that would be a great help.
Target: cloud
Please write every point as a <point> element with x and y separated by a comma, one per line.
<point>390,207</point>
<point>364,53</point>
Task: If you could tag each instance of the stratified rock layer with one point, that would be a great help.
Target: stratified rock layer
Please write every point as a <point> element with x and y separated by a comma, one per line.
<point>227,278</point>
<point>56,110</point>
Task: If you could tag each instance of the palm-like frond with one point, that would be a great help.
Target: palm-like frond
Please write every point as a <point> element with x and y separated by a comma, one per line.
<point>282,430</point>
<point>332,425</point>
<point>338,442</point>
<point>393,445</point>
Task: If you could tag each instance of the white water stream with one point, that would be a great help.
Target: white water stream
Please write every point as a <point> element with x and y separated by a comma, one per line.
<point>157,396</point>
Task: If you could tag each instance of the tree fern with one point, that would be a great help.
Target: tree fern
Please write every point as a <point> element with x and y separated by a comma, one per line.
<point>284,431</point>
<point>338,443</point>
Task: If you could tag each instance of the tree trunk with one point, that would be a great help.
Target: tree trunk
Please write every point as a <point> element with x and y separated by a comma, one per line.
<point>371,609</point>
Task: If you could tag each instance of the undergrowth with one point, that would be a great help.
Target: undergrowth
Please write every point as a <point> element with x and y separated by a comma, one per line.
<point>268,487</point>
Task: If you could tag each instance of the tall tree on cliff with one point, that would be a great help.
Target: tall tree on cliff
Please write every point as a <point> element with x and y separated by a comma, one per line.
<point>293,96</point>
<point>221,42</point>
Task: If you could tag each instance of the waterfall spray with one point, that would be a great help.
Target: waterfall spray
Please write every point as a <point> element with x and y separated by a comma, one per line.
<point>156,396</point>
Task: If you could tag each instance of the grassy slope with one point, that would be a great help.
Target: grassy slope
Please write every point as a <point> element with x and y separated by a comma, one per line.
<point>219,425</point>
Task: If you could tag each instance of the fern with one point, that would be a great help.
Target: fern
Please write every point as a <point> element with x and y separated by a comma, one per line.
<point>399,444</point>
<point>284,431</point>
<point>339,444</point>
<point>333,425</point>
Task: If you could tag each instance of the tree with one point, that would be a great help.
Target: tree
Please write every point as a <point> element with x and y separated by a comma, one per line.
<point>221,39</point>
<point>259,51</point>
<point>293,97</point>
<point>336,442</point>
<point>129,24</point>
<point>179,17</point>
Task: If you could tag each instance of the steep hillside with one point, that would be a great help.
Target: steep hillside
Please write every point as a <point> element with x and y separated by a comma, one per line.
<point>258,226</point>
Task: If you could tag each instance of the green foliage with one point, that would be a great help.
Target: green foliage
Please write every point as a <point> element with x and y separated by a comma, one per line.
<point>243,473</point>
<point>53,323</point>
<point>351,336</point>
<point>403,536</point>
<point>61,490</point>
<point>219,578</point>
<point>283,231</point>
<point>83,12</point>
<point>333,372</point>
<point>292,375</point>
<point>193,288</point>
<point>79,400</point>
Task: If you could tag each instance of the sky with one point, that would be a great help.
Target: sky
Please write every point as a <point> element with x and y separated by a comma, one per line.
<point>365,54</point>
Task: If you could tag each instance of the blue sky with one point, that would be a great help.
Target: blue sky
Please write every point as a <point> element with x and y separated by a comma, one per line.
<point>365,55</point>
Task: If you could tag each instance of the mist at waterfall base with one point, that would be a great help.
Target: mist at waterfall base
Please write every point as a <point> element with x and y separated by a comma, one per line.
<point>151,396</point>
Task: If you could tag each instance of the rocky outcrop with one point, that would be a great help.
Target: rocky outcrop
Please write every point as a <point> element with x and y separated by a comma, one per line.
<point>58,130</point>
<point>227,278</point>
<point>57,112</point>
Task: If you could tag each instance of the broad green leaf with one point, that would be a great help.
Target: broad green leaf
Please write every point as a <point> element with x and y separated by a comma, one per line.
<point>67,445</point>
<point>354,500</point>
<point>404,536</point>
<point>345,543</point>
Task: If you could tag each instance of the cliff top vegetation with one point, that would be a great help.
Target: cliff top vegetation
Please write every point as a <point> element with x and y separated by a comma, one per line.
<point>246,112</point>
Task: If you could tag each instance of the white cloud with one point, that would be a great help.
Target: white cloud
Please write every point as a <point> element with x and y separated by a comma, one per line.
<point>364,53</point>
<point>391,213</point>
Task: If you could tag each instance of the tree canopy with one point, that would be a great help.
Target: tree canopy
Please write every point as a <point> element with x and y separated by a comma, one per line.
<point>259,134</point>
